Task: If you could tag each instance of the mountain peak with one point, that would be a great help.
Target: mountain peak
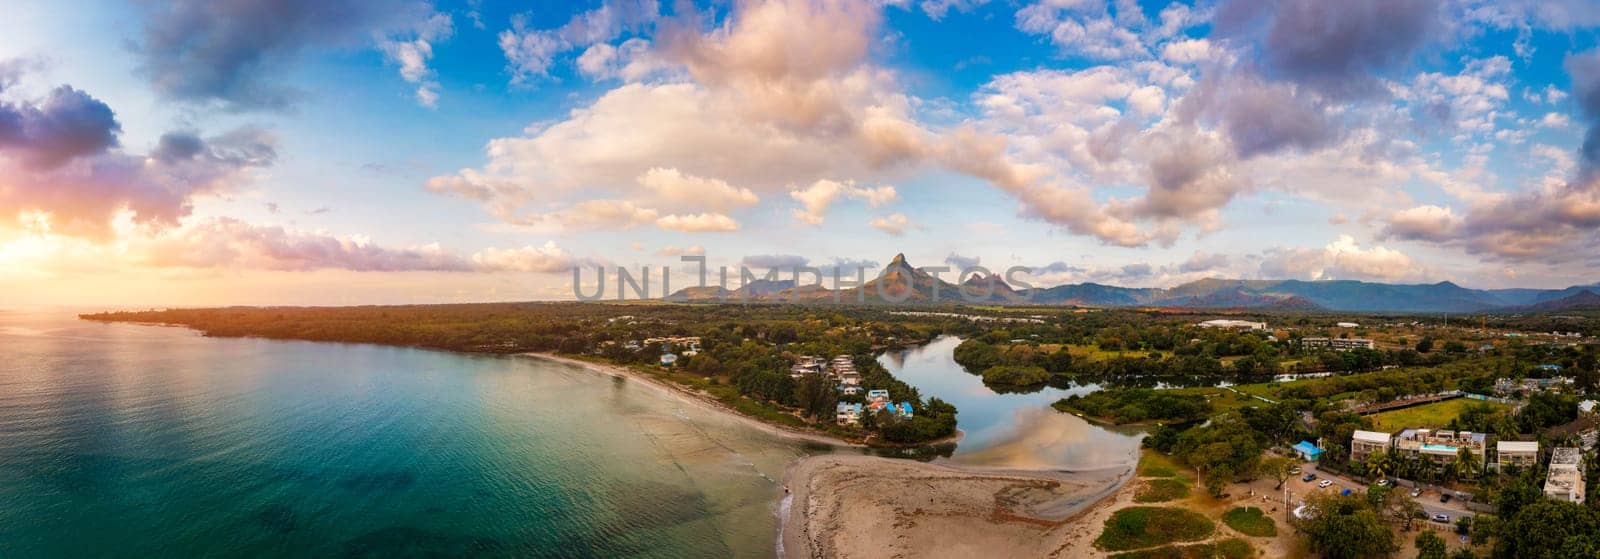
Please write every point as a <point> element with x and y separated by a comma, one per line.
<point>899,259</point>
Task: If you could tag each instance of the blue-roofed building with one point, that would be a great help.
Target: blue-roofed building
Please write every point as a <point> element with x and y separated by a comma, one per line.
<point>1307,451</point>
<point>905,410</point>
<point>848,414</point>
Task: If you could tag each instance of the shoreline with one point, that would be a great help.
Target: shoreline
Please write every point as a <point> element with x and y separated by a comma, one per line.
<point>707,402</point>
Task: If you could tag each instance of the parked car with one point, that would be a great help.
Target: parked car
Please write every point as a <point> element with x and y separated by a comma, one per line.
<point>1441,518</point>
<point>1416,492</point>
<point>1308,477</point>
<point>1444,497</point>
<point>1383,483</point>
<point>1325,483</point>
<point>1294,471</point>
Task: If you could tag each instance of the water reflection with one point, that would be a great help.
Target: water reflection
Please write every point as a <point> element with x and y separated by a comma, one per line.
<point>1014,430</point>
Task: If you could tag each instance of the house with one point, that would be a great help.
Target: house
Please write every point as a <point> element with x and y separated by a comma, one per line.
<point>1440,446</point>
<point>1347,325</point>
<point>1307,451</point>
<point>849,389</point>
<point>848,414</point>
<point>1338,344</point>
<point>1565,480</point>
<point>1521,454</point>
<point>877,395</point>
<point>850,378</point>
<point>1367,443</point>
<point>905,410</point>
<point>668,359</point>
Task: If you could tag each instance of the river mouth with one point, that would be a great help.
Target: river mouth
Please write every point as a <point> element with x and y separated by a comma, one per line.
<point>1017,430</point>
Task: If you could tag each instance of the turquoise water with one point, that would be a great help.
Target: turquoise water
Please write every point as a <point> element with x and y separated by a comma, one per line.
<point>138,441</point>
<point>1011,430</point>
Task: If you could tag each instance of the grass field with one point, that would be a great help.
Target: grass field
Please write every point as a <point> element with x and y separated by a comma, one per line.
<point>1431,415</point>
<point>1250,521</point>
<point>1155,464</point>
<point>1161,491</point>
<point>1221,400</point>
<point>1231,548</point>
<point>1141,527</point>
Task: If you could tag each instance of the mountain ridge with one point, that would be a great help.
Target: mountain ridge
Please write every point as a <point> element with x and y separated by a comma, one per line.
<point>900,282</point>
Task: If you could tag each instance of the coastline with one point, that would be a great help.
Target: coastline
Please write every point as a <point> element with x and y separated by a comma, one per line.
<point>707,402</point>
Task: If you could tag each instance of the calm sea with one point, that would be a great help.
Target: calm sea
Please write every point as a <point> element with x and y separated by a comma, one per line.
<point>138,441</point>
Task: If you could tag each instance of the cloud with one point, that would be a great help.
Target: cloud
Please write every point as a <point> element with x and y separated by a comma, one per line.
<point>545,259</point>
<point>698,223</point>
<point>62,169</point>
<point>893,224</point>
<point>675,189</point>
<point>692,250</point>
<point>1202,261</point>
<point>1084,28</point>
<point>531,52</point>
<point>1554,120</point>
<point>230,243</point>
<point>770,261</point>
<point>1335,48</point>
<point>1425,223</point>
<point>632,60</point>
<point>412,55</point>
<point>1344,258</point>
<point>961,262</point>
<point>229,53</point>
<point>823,193</point>
<point>65,125</point>
<point>1261,117</point>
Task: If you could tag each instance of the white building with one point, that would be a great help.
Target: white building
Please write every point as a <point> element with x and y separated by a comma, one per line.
<point>1521,454</point>
<point>1367,443</point>
<point>1566,475</point>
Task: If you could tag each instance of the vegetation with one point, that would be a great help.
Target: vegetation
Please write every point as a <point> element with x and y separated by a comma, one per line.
<point>1228,448</point>
<point>1135,405</point>
<point>1014,375</point>
<point>1250,521</point>
<point>1231,548</point>
<point>1435,414</point>
<point>1141,527</point>
<point>1161,490</point>
<point>1430,546</point>
<point>1345,527</point>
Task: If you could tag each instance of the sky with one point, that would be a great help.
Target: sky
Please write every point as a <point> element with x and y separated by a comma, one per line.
<point>269,152</point>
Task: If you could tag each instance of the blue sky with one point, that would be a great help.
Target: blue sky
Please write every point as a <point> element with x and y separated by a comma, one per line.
<point>398,151</point>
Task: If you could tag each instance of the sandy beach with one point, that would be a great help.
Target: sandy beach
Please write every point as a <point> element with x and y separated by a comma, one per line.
<point>862,506</point>
<point>705,401</point>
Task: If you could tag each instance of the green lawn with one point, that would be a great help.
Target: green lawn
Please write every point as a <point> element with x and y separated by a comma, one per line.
<point>1141,527</point>
<point>1161,490</point>
<point>1436,414</point>
<point>1250,521</point>
<point>1155,464</point>
<point>1231,548</point>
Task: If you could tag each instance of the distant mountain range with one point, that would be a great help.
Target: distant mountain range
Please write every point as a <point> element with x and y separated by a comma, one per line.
<point>1211,293</point>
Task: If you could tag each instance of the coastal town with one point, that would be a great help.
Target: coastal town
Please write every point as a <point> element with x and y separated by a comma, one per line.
<point>1332,435</point>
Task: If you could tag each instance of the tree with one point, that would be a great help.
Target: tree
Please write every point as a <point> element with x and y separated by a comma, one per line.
<point>1277,468</point>
<point>1380,465</point>
<point>1466,465</point>
<point>816,395</point>
<point>1425,346</point>
<point>1345,527</point>
<point>1405,512</point>
<point>1549,529</point>
<point>1430,546</point>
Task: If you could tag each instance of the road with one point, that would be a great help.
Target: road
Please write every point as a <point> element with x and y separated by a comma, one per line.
<point>1429,499</point>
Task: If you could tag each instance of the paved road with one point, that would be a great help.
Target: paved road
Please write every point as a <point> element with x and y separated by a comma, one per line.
<point>1429,498</point>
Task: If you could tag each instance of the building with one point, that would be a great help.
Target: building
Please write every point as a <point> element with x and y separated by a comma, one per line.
<point>1347,325</point>
<point>1367,443</point>
<point>877,395</point>
<point>1339,344</point>
<point>848,414</point>
<point>849,389</point>
<point>1307,451</point>
<point>1565,481</point>
<point>1504,386</point>
<point>1234,324</point>
<point>1439,446</point>
<point>1521,454</point>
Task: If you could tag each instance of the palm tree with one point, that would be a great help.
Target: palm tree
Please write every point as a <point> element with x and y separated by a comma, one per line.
<point>1466,466</point>
<point>1380,465</point>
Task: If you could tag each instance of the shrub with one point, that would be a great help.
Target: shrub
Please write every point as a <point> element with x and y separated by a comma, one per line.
<point>1250,521</point>
<point>1139,527</point>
